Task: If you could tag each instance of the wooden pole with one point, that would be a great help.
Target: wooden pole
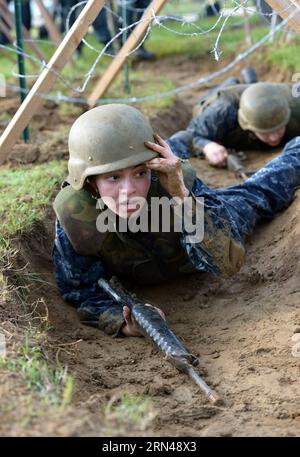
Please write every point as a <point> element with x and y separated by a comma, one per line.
<point>5,30</point>
<point>47,78</point>
<point>247,29</point>
<point>280,7</point>
<point>53,31</point>
<point>134,38</point>
<point>273,26</point>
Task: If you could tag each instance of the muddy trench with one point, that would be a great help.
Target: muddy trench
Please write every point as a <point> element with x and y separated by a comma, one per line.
<point>241,328</point>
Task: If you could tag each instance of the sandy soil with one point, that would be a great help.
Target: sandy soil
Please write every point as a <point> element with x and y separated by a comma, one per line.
<point>240,328</point>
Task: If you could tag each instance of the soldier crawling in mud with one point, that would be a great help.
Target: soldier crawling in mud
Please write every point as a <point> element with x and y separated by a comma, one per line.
<point>113,151</point>
<point>256,116</point>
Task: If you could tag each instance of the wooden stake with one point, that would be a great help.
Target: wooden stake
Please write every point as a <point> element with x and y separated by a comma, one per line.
<point>247,28</point>
<point>47,79</point>
<point>281,7</point>
<point>134,38</point>
<point>53,31</point>
<point>5,30</point>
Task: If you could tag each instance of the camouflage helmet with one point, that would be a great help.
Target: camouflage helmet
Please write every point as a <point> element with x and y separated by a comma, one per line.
<point>107,138</point>
<point>264,107</point>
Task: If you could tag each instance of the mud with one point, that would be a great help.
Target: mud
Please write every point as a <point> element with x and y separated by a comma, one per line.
<point>49,129</point>
<point>241,328</point>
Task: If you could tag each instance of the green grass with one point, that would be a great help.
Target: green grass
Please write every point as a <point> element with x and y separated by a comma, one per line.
<point>52,384</point>
<point>44,388</point>
<point>179,7</point>
<point>286,57</point>
<point>24,194</point>
<point>142,86</point>
<point>128,413</point>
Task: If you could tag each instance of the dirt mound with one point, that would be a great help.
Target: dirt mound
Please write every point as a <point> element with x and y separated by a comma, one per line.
<point>50,130</point>
<point>241,328</point>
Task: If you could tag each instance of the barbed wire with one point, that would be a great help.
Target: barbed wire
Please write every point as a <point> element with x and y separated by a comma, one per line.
<point>194,84</point>
<point>128,4</point>
<point>156,20</point>
<point>260,13</point>
<point>42,63</point>
<point>215,50</point>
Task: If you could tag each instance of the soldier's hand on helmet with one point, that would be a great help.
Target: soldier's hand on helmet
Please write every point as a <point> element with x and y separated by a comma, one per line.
<point>216,154</point>
<point>129,327</point>
<point>168,167</point>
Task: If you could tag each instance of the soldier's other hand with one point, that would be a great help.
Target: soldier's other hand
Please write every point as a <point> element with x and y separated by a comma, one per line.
<point>129,327</point>
<point>168,167</point>
<point>216,154</point>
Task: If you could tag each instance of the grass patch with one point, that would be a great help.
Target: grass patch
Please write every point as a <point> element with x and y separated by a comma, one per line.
<point>286,57</point>
<point>127,414</point>
<point>24,194</point>
<point>52,384</point>
<point>141,86</point>
<point>4,118</point>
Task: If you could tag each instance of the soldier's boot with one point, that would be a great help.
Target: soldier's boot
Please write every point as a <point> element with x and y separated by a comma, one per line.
<point>142,54</point>
<point>232,81</point>
<point>249,75</point>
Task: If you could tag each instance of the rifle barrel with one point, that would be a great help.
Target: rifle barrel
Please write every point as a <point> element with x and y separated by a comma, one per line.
<point>155,328</point>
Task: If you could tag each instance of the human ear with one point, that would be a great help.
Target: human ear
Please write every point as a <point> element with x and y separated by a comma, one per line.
<point>92,183</point>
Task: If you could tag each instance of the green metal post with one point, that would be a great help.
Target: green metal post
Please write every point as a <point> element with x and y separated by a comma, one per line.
<point>21,61</point>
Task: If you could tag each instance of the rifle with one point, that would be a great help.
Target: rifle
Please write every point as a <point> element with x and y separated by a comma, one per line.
<point>235,164</point>
<point>156,329</point>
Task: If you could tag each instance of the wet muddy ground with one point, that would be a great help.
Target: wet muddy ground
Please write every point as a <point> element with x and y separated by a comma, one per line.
<point>241,328</point>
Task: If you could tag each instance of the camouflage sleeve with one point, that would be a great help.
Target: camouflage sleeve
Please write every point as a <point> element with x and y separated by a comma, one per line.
<point>181,143</point>
<point>210,237</point>
<point>230,214</point>
<point>213,123</point>
<point>77,280</point>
